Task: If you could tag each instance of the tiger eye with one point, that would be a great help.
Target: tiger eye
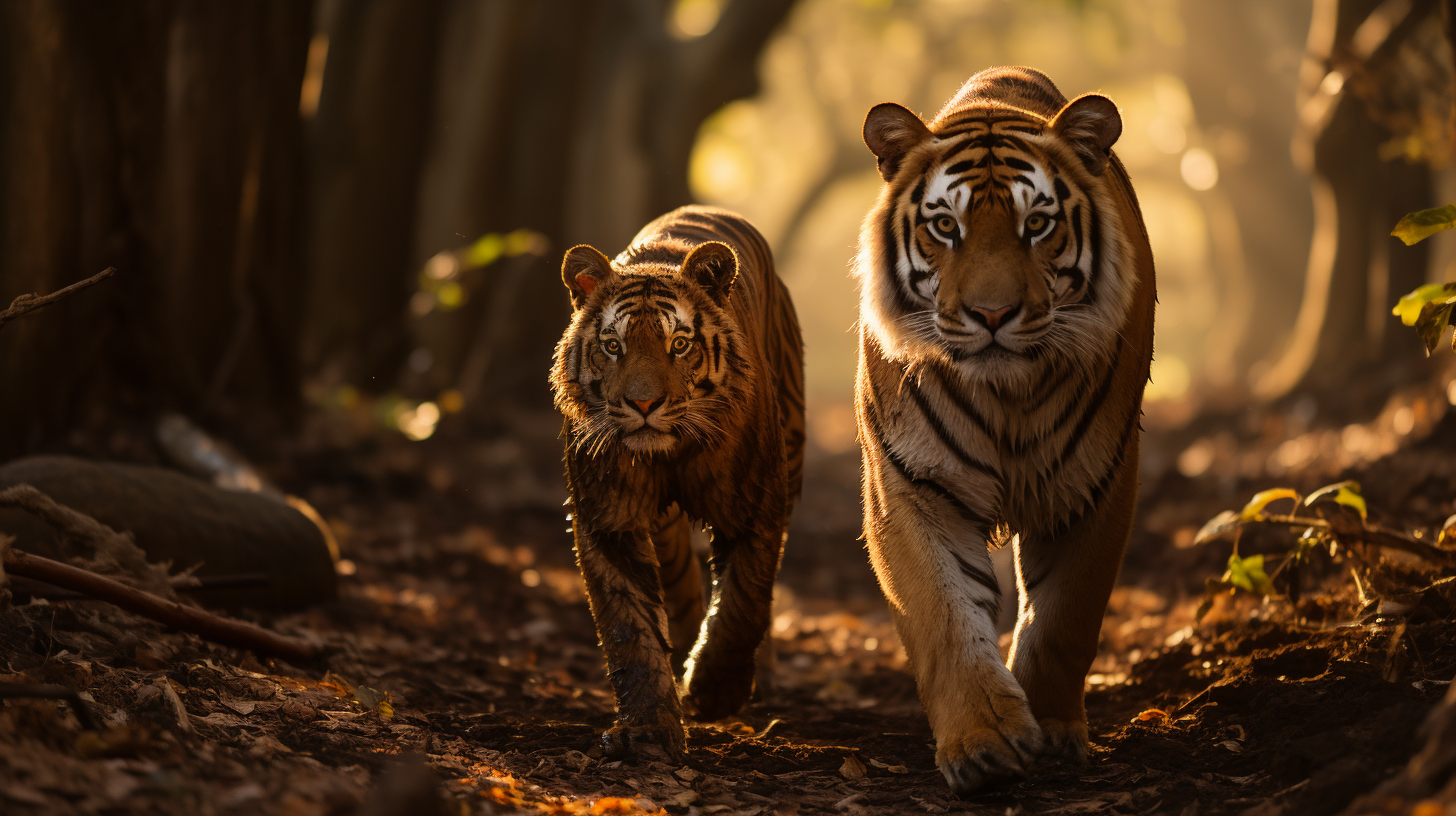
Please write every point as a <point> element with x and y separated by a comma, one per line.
<point>612,347</point>
<point>679,345</point>
<point>1035,223</point>
<point>945,225</point>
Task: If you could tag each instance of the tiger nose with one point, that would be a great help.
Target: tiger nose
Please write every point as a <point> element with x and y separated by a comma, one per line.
<point>648,406</point>
<point>993,318</point>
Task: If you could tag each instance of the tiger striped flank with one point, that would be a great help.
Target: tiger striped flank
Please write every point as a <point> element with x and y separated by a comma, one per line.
<point>1006,313</point>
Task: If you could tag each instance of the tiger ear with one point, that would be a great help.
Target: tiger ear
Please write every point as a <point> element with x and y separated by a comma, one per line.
<point>1090,124</point>
<point>713,266</point>
<point>583,270</point>
<point>891,131</point>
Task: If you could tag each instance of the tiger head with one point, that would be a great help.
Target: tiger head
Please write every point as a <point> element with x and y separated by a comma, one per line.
<point>651,353</point>
<point>995,243</point>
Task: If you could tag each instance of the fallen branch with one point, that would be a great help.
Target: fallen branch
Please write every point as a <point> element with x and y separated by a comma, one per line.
<point>216,628</point>
<point>25,304</point>
<point>41,691</point>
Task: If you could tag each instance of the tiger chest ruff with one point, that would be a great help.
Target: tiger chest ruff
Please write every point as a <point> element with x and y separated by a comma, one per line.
<point>1017,436</point>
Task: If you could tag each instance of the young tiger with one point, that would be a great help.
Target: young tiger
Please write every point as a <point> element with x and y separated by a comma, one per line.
<point>1006,310</point>
<point>681,379</point>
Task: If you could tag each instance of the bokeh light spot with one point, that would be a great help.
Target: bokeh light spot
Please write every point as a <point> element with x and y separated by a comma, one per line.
<point>1199,169</point>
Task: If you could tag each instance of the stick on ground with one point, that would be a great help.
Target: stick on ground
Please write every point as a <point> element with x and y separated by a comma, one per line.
<point>25,304</point>
<point>39,691</point>
<point>216,628</point>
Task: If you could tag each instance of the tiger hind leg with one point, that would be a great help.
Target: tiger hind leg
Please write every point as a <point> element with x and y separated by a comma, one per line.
<point>682,582</point>
<point>1063,585</point>
<point>720,673</point>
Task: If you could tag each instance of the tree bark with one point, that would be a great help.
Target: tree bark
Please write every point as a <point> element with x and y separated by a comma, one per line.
<point>1343,337</point>
<point>367,147</point>
<point>162,139</point>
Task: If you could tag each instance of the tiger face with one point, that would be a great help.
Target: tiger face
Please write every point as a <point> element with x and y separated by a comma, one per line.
<point>993,247</point>
<point>649,356</point>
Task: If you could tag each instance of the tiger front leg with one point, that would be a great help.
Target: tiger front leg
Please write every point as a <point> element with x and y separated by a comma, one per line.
<point>625,593</point>
<point>937,576</point>
<point>720,672</point>
<point>1064,583</point>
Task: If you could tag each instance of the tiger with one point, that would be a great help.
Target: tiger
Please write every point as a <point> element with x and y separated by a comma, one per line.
<point>681,381</point>
<point>1006,327</point>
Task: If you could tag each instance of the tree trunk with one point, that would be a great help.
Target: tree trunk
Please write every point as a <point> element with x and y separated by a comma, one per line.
<point>1344,337</point>
<point>163,139</point>
<point>368,145</point>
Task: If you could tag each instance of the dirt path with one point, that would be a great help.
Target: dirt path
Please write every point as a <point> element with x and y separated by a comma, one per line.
<point>462,640</point>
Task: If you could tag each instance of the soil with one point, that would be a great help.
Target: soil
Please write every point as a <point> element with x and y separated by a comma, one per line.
<point>463,674</point>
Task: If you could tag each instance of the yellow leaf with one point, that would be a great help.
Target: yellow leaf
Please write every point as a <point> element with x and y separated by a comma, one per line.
<point>1408,309</point>
<point>1422,224</point>
<point>1263,499</point>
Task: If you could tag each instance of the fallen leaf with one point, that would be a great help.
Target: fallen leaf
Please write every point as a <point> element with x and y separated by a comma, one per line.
<point>380,702</point>
<point>169,693</point>
<point>686,774</point>
<point>1152,715</point>
<point>853,769</point>
<point>244,707</point>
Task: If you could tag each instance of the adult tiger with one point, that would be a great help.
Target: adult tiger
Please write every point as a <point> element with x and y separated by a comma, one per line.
<point>1006,311</point>
<point>681,379</point>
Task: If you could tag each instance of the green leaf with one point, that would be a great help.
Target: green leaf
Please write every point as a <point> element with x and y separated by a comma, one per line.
<point>485,251</point>
<point>1263,499</point>
<point>1248,574</point>
<point>1420,225</point>
<point>1344,493</point>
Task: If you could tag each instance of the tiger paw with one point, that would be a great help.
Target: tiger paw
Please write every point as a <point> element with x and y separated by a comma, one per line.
<point>1065,739</point>
<point>984,757</point>
<point>623,741</point>
<point>712,693</point>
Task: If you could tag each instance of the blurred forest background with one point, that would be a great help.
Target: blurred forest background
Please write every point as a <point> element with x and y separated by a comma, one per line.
<point>314,204</point>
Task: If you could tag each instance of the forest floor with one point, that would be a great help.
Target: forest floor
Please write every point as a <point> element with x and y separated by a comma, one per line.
<point>464,677</point>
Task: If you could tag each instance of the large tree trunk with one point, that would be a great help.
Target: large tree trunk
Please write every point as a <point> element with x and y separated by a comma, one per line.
<point>368,145</point>
<point>1344,336</point>
<point>163,139</point>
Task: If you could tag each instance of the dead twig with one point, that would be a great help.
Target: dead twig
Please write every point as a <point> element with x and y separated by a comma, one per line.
<point>41,691</point>
<point>216,628</point>
<point>25,304</point>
